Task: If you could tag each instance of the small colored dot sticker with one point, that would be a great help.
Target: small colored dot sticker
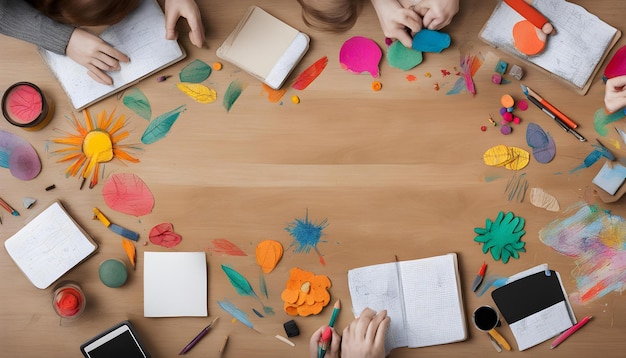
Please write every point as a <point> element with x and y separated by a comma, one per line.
<point>295,99</point>
<point>217,66</point>
<point>507,101</point>
<point>522,105</point>
<point>377,86</point>
<point>506,129</point>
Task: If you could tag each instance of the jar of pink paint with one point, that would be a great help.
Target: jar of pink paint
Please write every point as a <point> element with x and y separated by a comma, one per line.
<point>24,105</point>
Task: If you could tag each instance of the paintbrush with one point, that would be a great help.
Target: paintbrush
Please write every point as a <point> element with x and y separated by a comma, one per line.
<point>129,234</point>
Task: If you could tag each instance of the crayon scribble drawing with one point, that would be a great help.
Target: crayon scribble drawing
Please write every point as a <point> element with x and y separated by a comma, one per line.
<point>306,235</point>
<point>92,144</point>
<point>596,238</point>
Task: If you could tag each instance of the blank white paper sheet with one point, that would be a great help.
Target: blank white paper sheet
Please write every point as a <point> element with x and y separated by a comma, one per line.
<point>175,284</point>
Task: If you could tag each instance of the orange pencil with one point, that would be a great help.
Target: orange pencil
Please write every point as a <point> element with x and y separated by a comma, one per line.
<point>570,123</point>
<point>8,208</point>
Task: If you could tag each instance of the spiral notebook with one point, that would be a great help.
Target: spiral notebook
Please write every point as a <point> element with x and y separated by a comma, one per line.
<point>422,297</point>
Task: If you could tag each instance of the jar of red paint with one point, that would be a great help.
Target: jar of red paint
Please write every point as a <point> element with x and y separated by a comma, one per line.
<point>24,105</point>
<point>68,300</point>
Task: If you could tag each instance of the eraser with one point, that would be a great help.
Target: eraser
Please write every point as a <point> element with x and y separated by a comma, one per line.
<point>291,329</point>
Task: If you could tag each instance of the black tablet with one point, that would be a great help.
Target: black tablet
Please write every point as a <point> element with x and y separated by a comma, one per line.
<point>120,340</point>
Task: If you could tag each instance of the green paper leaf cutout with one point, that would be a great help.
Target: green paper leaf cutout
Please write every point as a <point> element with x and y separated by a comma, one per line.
<point>137,102</point>
<point>239,282</point>
<point>161,125</point>
<point>195,72</point>
<point>232,93</point>
<point>502,237</point>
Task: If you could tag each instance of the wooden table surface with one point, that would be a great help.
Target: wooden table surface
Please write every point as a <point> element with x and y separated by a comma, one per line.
<point>395,173</point>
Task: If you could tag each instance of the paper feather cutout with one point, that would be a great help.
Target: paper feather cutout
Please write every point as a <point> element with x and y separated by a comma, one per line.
<point>310,74</point>
<point>161,125</point>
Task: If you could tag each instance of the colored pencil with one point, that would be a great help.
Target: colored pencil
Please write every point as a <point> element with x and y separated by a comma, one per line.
<point>8,208</point>
<point>198,337</point>
<point>569,332</point>
<point>570,123</point>
<point>328,333</point>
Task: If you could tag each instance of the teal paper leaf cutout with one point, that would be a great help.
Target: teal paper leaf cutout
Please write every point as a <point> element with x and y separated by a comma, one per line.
<point>232,93</point>
<point>137,102</point>
<point>195,72</point>
<point>502,237</point>
<point>239,282</point>
<point>161,125</point>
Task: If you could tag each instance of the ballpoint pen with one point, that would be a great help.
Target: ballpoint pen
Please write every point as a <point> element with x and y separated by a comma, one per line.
<point>198,337</point>
<point>550,114</point>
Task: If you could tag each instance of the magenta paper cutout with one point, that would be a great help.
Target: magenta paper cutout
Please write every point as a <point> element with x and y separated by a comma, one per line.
<point>18,156</point>
<point>164,235</point>
<point>128,194</point>
<point>360,54</point>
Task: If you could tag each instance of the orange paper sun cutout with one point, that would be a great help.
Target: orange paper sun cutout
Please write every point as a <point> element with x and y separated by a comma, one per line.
<point>94,143</point>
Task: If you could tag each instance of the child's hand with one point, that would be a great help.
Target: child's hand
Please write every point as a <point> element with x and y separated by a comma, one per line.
<point>615,94</point>
<point>396,21</point>
<point>94,54</point>
<point>365,336</point>
<point>175,9</point>
<point>436,14</point>
<point>333,348</point>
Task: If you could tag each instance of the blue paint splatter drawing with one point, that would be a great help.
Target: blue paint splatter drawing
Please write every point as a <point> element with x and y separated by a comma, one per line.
<point>306,235</point>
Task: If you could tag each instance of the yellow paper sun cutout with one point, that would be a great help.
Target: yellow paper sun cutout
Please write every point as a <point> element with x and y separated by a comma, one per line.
<point>93,144</point>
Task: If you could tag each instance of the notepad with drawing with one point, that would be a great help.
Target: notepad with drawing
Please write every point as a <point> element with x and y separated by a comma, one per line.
<point>49,245</point>
<point>535,306</point>
<point>265,47</point>
<point>422,297</point>
<point>141,36</point>
<point>573,55</point>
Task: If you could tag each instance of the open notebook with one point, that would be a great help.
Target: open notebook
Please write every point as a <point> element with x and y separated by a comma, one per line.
<point>49,245</point>
<point>573,55</point>
<point>141,36</point>
<point>422,297</point>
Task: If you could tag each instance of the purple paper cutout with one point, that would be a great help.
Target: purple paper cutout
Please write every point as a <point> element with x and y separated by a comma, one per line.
<point>542,143</point>
<point>18,156</point>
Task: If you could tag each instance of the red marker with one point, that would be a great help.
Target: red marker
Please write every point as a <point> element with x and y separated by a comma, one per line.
<point>479,277</point>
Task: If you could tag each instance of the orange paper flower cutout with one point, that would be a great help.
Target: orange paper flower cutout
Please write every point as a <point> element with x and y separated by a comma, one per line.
<point>305,293</point>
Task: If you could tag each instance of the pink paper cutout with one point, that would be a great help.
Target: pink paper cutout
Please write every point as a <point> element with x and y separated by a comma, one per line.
<point>360,54</point>
<point>128,194</point>
<point>164,235</point>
